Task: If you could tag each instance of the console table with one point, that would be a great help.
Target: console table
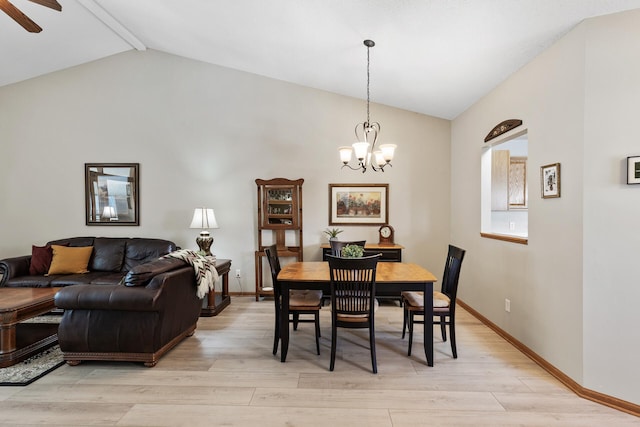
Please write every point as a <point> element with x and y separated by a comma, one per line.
<point>390,253</point>
<point>215,302</point>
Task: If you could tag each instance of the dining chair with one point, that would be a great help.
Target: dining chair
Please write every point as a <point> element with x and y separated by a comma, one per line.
<point>353,302</point>
<point>337,245</point>
<point>300,302</point>
<point>444,302</point>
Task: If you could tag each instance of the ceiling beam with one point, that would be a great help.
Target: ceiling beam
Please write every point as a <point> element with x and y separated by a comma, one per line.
<point>113,24</point>
<point>52,4</point>
<point>19,17</point>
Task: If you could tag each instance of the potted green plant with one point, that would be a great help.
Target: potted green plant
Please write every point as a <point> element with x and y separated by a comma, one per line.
<point>332,233</point>
<point>352,251</point>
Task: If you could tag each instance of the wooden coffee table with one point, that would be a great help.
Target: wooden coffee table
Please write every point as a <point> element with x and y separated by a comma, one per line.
<point>19,341</point>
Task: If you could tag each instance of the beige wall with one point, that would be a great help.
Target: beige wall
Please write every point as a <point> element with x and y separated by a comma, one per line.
<point>611,208</point>
<point>202,134</point>
<point>572,289</point>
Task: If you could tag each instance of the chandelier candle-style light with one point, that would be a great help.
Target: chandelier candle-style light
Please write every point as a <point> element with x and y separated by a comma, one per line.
<point>367,135</point>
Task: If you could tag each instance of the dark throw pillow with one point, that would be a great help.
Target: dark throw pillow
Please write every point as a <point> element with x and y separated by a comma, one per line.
<point>40,260</point>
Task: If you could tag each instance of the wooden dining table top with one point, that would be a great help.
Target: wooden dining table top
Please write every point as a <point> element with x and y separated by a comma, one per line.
<point>392,272</point>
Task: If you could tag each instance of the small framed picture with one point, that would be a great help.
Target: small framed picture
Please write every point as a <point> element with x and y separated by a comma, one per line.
<point>550,180</point>
<point>633,170</point>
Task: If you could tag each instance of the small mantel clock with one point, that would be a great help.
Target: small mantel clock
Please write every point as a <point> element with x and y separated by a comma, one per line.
<point>386,235</point>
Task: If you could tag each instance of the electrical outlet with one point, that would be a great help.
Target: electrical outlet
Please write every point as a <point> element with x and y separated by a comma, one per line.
<point>512,226</point>
<point>238,273</point>
<point>507,305</point>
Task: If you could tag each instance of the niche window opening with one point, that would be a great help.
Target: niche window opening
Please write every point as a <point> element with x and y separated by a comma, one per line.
<point>505,193</point>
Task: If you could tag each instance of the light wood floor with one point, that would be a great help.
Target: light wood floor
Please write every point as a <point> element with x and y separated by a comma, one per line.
<point>225,375</point>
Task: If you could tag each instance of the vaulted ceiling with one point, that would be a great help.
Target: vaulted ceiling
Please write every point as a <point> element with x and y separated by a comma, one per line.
<point>435,57</point>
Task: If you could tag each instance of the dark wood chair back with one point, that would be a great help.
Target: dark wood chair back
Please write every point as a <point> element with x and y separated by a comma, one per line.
<point>337,245</point>
<point>274,263</point>
<point>353,298</point>
<point>451,274</point>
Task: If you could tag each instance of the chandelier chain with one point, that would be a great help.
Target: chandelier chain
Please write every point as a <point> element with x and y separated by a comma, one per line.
<point>368,74</point>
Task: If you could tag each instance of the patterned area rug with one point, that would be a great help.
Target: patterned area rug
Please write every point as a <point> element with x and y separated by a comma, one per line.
<point>36,366</point>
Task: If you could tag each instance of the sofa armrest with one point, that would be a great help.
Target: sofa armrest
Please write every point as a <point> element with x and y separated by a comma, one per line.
<point>165,289</point>
<point>105,297</point>
<point>142,274</point>
<point>14,267</point>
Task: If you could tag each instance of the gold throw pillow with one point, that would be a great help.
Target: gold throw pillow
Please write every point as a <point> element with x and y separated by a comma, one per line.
<point>70,260</point>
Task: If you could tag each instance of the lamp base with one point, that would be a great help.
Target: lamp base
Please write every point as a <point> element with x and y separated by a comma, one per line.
<point>204,241</point>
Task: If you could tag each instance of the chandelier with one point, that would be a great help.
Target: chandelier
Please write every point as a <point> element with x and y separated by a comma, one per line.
<point>366,136</point>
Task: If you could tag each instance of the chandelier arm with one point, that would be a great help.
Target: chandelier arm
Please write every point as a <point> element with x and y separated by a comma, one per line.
<point>360,166</point>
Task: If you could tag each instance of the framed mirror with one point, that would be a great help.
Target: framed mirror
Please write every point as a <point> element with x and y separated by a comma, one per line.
<point>112,194</point>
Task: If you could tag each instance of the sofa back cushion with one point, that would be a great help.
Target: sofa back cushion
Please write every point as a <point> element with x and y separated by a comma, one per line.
<point>73,242</point>
<point>141,250</point>
<point>108,254</point>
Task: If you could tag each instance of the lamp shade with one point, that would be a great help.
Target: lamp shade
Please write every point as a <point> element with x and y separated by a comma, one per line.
<point>109,213</point>
<point>203,218</point>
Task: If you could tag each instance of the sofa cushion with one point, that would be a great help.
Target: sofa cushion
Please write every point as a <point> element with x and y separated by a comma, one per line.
<point>141,250</point>
<point>107,278</point>
<point>67,260</point>
<point>30,282</point>
<point>141,274</point>
<point>108,254</point>
<point>80,279</point>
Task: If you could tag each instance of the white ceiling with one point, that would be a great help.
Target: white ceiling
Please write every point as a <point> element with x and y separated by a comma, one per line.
<point>435,57</point>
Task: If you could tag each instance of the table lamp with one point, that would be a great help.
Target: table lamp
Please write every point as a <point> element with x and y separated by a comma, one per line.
<point>204,219</point>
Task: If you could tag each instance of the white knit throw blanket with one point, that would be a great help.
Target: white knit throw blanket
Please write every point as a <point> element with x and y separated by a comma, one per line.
<point>204,270</point>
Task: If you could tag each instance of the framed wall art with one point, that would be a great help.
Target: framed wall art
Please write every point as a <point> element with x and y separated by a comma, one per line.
<point>358,204</point>
<point>112,193</point>
<point>550,180</point>
<point>633,170</point>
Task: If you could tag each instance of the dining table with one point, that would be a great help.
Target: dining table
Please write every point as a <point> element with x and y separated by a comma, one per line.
<point>390,277</point>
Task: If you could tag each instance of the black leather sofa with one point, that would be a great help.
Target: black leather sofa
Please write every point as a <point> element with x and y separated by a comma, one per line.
<point>111,259</point>
<point>136,311</point>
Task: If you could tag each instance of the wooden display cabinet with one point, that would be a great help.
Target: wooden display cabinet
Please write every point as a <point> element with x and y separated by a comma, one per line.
<point>279,211</point>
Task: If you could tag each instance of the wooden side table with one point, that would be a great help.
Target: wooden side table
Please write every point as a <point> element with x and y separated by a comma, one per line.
<point>215,302</point>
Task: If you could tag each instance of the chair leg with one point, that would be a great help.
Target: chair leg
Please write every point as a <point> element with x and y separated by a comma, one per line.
<point>276,335</point>
<point>452,332</point>
<point>443,329</point>
<point>410,332</point>
<point>317,317</point>
<point>372,344</point>
<point>296,319</point>
<point>334,334</point>
<point>404,319</point>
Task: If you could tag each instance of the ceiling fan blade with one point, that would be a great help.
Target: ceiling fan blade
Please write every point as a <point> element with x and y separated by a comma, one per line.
<point>19,17</point>
<point>52,4</point>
